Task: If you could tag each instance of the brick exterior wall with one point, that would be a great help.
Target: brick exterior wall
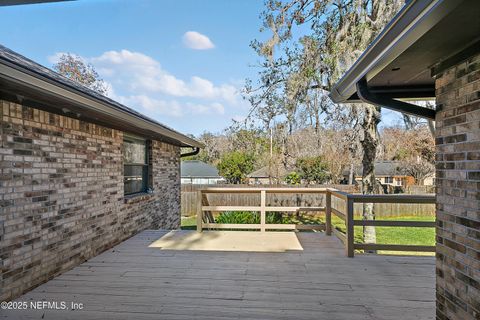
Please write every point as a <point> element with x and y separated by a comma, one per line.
<point>458,185</point>
<point>61,195</point>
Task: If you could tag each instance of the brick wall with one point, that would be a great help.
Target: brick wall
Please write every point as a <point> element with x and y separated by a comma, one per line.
<point>458,186</point>
<point>61,195</point>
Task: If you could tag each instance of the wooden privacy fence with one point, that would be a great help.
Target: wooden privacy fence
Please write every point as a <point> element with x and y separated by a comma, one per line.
<point>346,214</point>
<point>338,203</point>
<point>190,193</point>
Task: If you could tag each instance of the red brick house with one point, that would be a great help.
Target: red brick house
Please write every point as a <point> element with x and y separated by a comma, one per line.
<point>79,173</point>
<point>431,49</point>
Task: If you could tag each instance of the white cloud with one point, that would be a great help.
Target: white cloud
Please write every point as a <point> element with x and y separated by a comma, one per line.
<point>55,58</point>
<point>197,41</point>
<point>140,82</point>
<point>152,106</point>
<point>212,108</point>
<point>142,73</point>
<point>133,59</point>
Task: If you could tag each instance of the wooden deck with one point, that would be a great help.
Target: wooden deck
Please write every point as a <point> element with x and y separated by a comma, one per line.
<point>135,281</point>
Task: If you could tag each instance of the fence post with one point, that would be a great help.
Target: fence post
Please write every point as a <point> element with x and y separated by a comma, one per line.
<point>199,211</point>
<point>263,201</point>
<point>328,213</point>
<point>350,228</point>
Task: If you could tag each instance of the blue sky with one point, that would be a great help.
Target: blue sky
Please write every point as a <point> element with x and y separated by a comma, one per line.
<point>180,62</point>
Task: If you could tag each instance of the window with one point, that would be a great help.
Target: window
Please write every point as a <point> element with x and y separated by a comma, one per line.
<point>135,165</point>
<point>398,181</point>
<point>388,179</point>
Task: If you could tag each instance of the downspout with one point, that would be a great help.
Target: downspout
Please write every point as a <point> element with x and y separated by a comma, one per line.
<point>195,151</point>
<point>364,93</point>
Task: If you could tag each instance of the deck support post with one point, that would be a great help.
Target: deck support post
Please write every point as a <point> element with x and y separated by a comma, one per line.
<point>199,211</point>
<point>328,213</point>
<point>263,201</point>
<point>349,244</point>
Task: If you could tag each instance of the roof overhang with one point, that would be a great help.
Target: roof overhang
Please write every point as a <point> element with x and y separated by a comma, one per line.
<point>47,94</point>
<point>201,177</point>
<point>422,40</point>
<point>17,2</point>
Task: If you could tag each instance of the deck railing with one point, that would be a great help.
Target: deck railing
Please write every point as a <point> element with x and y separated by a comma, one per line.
<point>347,215</point>
<point>205,219</point>
<point>344,211</point>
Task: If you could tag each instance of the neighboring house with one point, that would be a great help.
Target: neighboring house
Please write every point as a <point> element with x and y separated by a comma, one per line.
<point>387,173</point>
<point>429,181</point>
<point>80,173</point>
<point>431,49</point>
<point>265,175</point>
<point>199,172</point>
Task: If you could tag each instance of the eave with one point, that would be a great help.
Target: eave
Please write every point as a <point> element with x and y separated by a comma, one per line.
<point>401,63</point>
<point>57,97</point>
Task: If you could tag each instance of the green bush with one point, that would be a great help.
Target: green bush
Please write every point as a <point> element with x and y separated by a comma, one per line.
<point>293,178</point>
<point>247,217</point>
<point>313,169</point>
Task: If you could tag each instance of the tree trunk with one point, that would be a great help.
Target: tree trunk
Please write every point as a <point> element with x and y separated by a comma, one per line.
<point>350,173</point>
<point>369,184</point>
<point>285,152</point>
<point>431,126</point>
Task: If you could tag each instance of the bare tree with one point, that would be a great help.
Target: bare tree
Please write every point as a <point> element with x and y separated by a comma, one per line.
<point>418,168</point>
<point>76,69</point>
<point>293,77</point>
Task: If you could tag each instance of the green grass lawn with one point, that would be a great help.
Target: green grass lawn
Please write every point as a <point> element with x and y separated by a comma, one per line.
<point>189,223</point>
<point>405,235</point>
<point>396,235</point>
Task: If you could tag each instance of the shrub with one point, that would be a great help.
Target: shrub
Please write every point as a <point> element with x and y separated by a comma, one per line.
<point>293,178</point>
<point>313,169</point>
<point>248,217</point>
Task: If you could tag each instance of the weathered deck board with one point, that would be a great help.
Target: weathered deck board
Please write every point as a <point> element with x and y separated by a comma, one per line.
<point>134,281</point>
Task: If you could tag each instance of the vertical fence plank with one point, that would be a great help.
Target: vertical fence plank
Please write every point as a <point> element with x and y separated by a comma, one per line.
<point>263,202</point>
<point>328,213</point>
<point>350,229</point>
<point>199,212</point>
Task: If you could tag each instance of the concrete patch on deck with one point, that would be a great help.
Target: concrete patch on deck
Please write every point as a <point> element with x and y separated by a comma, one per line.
<point>248,241</point>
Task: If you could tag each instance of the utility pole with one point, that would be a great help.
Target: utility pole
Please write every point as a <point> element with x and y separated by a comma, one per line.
<point>271,156</point>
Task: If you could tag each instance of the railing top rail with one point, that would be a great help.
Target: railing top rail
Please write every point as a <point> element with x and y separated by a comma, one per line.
<point>392,198</point>
<point>359,198</point>
<point>339,194</point>
<point>267,190</point>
